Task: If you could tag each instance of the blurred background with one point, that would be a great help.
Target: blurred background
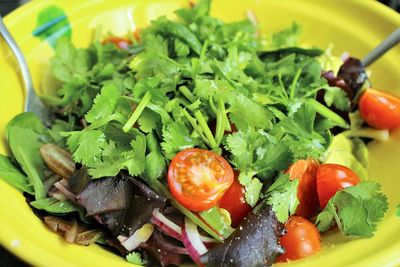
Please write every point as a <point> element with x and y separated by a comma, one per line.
<point>6,6</point>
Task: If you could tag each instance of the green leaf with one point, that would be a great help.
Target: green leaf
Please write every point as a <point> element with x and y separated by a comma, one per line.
<point>155,162</point>
<point>219,220</point>
<point>55,206</point>
<point>181,49</point>
<point>104,104</point>
<point>351,153</point>
<point>135,258</point>
<point>282,196</point>
<point>13,176</point>
<point>243,110</point>
<point>86,146</point>
<point>337,97</point>
<point>25,134</point>
<point>252,188</point>
<point>148,121</point>
<point>356,210</point>
<point>176,137</point>
<point>284,38</point>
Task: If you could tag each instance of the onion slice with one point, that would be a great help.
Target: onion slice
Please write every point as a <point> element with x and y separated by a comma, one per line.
<point>170,228</point>
<point>192,241</point>
<point>139,236</point>
<point>167,226</point>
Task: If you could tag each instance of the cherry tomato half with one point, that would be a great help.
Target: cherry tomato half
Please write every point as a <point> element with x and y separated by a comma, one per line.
<point>301,240</point>
<point>198,178</point>
<point>332,178</point>
<point>305,171</point>
<point>380,110</point>
<point>234,202</point>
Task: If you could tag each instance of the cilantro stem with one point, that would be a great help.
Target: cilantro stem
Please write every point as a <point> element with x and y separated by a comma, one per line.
<point>195,126</point>
<point>327,113</point>
<point>186,93</point>
<point>104,121</point>
<point>294,83</point>
<point>381,135</point>
<point>203,124</point>
<point>219,131</point>
<point>138,111</point>
<point>283,93</point>
<point>204,50</point>
<point>161,189</point>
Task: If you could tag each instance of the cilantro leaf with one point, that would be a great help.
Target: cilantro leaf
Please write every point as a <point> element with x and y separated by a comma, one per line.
<point>282,196</point>
<point>104,104</point>
<point>252,187</point>
<point>155,161</point>
<point>86,146</point>
<point>135,258</point>
<point>300,136</point>
<point>243,110</point>
<point>336,97</point>
<point>356,210</point>
<point>176,137</point>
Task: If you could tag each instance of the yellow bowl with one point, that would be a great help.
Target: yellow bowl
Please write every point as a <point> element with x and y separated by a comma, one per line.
<point>353,26</point>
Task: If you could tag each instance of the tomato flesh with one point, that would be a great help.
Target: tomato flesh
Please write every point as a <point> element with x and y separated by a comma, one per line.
<point>305,171</point>
<point>198,178</point>
<point>380,110</point>
<point>332,178</point>
<point>301,240</point>
<point>235,203</point>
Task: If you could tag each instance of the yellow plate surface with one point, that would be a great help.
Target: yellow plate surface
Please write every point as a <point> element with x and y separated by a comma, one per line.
<point>355,26</point>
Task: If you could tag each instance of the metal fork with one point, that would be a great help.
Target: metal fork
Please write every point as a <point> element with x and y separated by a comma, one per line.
<point>32,102</point>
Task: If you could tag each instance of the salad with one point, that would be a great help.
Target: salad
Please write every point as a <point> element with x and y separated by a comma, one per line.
<point>195,140</point>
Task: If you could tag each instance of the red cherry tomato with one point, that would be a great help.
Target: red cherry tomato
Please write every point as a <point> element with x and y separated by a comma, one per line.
<point>198,178</point>
<point>301,240</point>
<point>332,178</point>
<point>305,171</point>
<point>234,202</point>
<point>380,110</point>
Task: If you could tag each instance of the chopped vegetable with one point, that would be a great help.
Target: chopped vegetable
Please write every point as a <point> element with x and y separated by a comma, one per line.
<point>305,171</point>
<point>254,243</point>
<point>379,109</point>
<point>301,240</point>
<point>198,178</point>
<point>355,209</point>
<point>283,188</point>
<point>332,178</point>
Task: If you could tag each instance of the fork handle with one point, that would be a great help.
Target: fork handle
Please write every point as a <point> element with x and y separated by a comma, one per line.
<point>26,75</point>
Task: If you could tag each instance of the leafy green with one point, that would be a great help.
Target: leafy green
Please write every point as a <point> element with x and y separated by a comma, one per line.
<point>356,210</point>
<point>25,134</point>
<point>282,196</point>
<point>55,206</point>
<point>176,138</point>
<point>86,146</point>
<point>351,153</point>
<point>13,176</point>
<point>135,258</point>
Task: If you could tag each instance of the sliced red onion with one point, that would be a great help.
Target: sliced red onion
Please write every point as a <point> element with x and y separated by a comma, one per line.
<point>167,226</point>
<point>191,240</point>
<point>170,228</point>
<point>139,236</point>
<point>64,190</point>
